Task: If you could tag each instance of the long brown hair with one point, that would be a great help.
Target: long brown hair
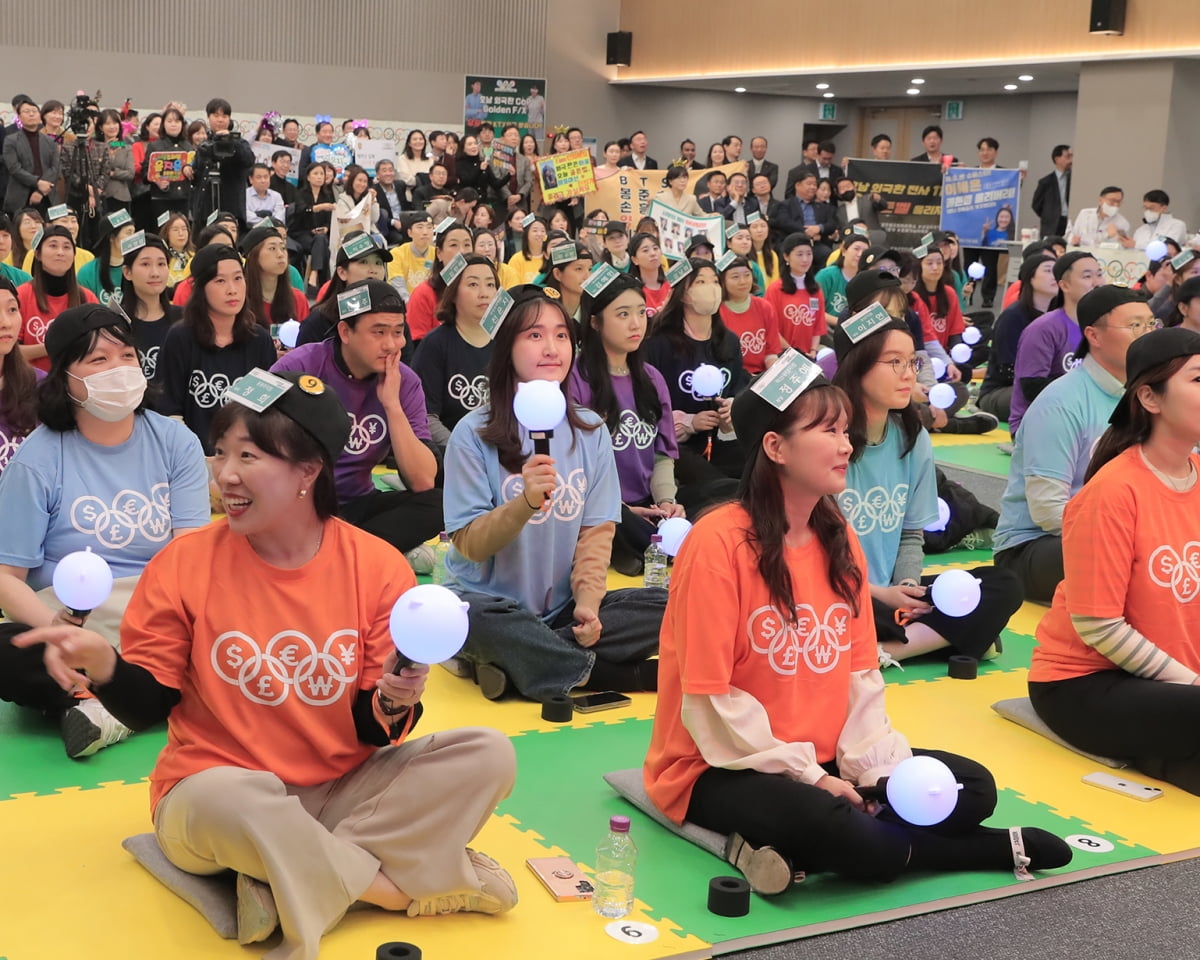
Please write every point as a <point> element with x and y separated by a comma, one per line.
<point>1139,422</point>
<point>74,294</point>
<point>762,497</point>
<point>850,373</point>
<point>501,429</point>
<point>282,307</point>
<point>18,397</point>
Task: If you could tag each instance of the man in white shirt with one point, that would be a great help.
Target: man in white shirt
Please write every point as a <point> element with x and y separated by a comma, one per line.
<point>1102,223</point>
<point>261,200</point>
<point>1157,222</point>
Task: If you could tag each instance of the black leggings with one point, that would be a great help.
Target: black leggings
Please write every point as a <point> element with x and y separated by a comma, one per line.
<point>819,832</point>
<point>23,677</point>
<point>401,517</point>
<point>1000,596</point>
<point>1153,725</point>
<point>1038,564</point>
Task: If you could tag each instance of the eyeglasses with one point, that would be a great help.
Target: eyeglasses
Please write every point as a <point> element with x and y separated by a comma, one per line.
<point>898,365</point>
<point>1137,327</point>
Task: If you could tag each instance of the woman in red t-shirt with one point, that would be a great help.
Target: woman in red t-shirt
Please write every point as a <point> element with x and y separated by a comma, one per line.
<point>797,298</point>
<point>51,291</point>
<point>645,263</point>
<point>448,243</point>
<point>1117,667</point>
<point>771,713</point>
<point>751,319</point>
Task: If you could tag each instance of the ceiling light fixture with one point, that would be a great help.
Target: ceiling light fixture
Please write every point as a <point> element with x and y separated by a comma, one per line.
<point>913,91</point>
<point>822,86</point>
<point>1010,86</point>
<point>828,95</point>
<point>739,89</point>
<point>1025,77</point>
<point>918,81</point>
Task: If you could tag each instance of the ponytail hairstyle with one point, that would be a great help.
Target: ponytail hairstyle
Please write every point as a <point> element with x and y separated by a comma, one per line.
<point>790,243</point>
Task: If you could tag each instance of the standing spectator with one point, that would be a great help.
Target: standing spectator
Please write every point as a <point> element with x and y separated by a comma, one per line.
<point>638,158</point>
<point>1052,196</point>
<point>169,196</point>
<point>881,147</point>
<point>931,139</point>
<point>31,159</point>
<point>229,158</point>
<point>733,148</point>
<point>760,165</point>
<point>687,153</point>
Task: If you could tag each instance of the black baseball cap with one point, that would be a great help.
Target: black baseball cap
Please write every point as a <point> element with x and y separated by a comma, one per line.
<point>1097,303</point>
<point>873,255</point>
<point>260,234</point>
<point>54,230</point>
<point>866,283</point>
<point>75,322</point>
<point>315,406</point>
<point>613,226</point>
<point>204,263</point>
<point>384,298</point>
<point>361,250</point>
<point>1068,260</point>
<point>1029,266</point>
<point>1145,353</point>
<point>699,240</point>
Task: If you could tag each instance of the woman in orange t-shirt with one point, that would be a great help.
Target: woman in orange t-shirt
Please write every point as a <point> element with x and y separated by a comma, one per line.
<point>287,758</point>
<point>1117,664</point>
<point>769,722</point>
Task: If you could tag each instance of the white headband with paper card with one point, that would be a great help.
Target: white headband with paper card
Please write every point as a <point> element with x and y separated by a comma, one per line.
<point>456,266</point>
<point>921,252</point>
<point>725,260</point>
<point>732,229</point>
<point>1182,259</point>
<point>164,217</point>
<point>866,322</point>
<point>257,390</point>
<point>358,245</point>
<point>443,226</point>
<point>789,376</point>
<point>118,219</point>
<point>563,253</point>
<point>212,218</point>
<point>752,218</point>
<point>680,270</point>
<point>601,276</point>
<point>927,239</point>
<point>134,242</point>
<point>351,303</point>
<point>57,212</point>
<point>527,220</point>
<point>496,312</point>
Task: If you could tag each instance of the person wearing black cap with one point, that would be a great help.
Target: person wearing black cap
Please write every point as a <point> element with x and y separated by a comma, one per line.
<point>570,264</point>
<point>1038,289</point>
<point>387,415</point>
<point>533,534</point>
<point>616,245</point>
<point>103,274</point>
<point>1116,667</point>
<point>217,341</point>
<point>52,290</point>
<point>771,713</point>
<point>357,259</point>
<point>891,496</point>
<point>290,761</point>
<point>144,299</point>
<point>1061,426</point>
<point>101,473</point>
<point>1046,349</point>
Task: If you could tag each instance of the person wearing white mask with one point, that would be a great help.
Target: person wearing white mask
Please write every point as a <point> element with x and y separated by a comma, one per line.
<point>1157,222</point>
<point>103,474</point>
<point>1102,223</point>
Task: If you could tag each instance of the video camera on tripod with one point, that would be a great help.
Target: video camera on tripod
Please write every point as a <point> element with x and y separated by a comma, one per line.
<point>82,111</point>
<point>220,146</point>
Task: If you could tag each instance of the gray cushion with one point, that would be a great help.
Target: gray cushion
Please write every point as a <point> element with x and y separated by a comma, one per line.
<point>1020,710</point>
<point>213,896</point>
<point>628,783</point>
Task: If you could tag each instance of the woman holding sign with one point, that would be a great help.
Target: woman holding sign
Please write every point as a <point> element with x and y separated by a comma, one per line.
<point>171,190</point>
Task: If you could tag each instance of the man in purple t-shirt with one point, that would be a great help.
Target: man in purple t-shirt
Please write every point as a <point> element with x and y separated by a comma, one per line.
<point>387,413</point>
<point>1046,349</point>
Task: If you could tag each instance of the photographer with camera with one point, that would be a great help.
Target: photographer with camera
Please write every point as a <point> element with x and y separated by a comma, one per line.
<point>31,159</point>
<point>84,164</point>
<point>223,162</point>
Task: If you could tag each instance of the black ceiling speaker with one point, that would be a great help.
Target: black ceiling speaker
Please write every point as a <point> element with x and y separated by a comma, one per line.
<point>620,47</point>
<point>1108,18</point>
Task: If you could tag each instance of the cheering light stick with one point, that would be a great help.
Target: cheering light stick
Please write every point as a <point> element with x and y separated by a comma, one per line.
<point>707,381</point>
<point>941,395</point>
<point>823,353</point>
<point>1156,250</point>
<point>939,367</point>
<point>540,406</point>
<point>82,581</point>
<point>955,593</point>
<point>673,530</point>
<point>960,353</point>
<point>943,517</point>
<point>289,331</point>
<point>976,270</point>
<point>971,335</point>
<point>921,790</point>
<point>428,625</point>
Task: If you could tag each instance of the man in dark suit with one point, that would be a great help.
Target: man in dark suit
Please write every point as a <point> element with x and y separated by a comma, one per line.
<point>851,208</point>
<point>760,164</point>
<point>687,152</point>
<point>638,158</point>
<point>823,168</point>
<point>31,175</point>
<point>768,206</point>
<point>1052,196</point>
<point>802,213</point>
<point>715,201</point>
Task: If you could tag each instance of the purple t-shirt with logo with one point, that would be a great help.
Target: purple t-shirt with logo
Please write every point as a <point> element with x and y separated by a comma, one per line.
<point>369,441</point>
<point>9,438</point>
<point>1046,349</point>
<point>635,442</point>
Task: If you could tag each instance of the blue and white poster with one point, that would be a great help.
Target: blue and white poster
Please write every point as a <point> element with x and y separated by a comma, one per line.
<point>980,206</point>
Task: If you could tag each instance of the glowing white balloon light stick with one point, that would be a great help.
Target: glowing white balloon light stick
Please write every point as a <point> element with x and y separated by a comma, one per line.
<point>82,581</point>
<point>955,593</point>
<point>972,335</point>
<point>939,367</point>
<point>922,791</point>
<point>289,331</point>
<point>428,625</point>
<point>1156,250</point>
<point>540,406</point>
<point>976,270</point>
<point>960,353</point>
<point>673,530</point>
<point>823,353</point>
<point>941,395</point>
<point>943,517</point>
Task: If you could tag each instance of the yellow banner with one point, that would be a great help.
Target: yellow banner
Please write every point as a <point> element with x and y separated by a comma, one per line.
<point>627,194</point>
<point>566,175</point>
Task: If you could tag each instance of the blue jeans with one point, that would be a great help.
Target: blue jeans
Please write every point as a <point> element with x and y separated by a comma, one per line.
<point>542,659</point>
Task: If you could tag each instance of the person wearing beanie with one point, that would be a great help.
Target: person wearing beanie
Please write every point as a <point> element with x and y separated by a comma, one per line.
<point>100,473</point>
<point>771,722</point>
<point>1115,670</point>
<point>291,758</point>
<point>1046,349</point>
<point>52,290</point>
<point>891,496</point>
<point>218,340</point>
<point>1061,426</point>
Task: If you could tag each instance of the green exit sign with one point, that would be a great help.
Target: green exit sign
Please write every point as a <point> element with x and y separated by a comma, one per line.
<point>954,110</point>
<point>827,111</point>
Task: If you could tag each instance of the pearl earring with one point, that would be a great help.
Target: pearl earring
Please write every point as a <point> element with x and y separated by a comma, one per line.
<point>303,494</point>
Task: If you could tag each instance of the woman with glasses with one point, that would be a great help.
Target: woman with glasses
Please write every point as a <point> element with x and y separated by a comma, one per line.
<point>891,493</point>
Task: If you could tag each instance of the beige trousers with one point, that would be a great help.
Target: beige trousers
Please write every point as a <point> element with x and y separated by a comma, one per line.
<point>409,811</point>
<point>106,618</point>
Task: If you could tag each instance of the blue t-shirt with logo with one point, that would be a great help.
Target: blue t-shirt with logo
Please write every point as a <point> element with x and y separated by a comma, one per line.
<point>62,493</point>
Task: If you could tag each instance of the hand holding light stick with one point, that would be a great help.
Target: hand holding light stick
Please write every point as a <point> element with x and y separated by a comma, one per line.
<point>540,406</point>
<point>428,625</point>
<point>82,581</point>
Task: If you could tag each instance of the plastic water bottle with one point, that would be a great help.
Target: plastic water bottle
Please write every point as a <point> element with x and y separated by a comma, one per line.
<point>439,557</point>
<point>616,861</point>
<point>654,568</point>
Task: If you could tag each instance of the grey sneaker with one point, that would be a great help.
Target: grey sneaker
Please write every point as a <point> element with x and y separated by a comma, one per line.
<point>422,559</point>
<point>257,916</point>
<point>88,727</point>
<point>766,869</point>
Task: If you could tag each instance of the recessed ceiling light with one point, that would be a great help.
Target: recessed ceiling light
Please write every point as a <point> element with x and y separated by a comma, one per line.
<point>827,95</point>
<point>822,86</point>
<point>1010,86</point>
<point>913,91</point>
<point>739,89</point>
<point>918,81</point>
<point>1025,77</point>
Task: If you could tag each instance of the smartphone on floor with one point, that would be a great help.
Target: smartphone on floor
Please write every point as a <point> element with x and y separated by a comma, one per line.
<point>603,700</point>
<point>1123,785</point>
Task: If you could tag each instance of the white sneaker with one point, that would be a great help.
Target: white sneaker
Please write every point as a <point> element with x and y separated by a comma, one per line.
<point>421,558</point>
<point>887,660</point>
<point>88,727</point>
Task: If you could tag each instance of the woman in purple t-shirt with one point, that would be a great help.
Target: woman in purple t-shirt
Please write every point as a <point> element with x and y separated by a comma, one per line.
<point>18,378</point>
<point>631,397</point>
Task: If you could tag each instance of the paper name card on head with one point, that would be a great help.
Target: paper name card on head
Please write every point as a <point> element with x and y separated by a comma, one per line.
<point>445,224</point>
<point>37,238</point>
<point>135,242</point>
<point>1182,259</point>
<point>114,304</point>
<point>680,270</point>
<point>211,218</point>
<point>725,260</point>
<point>563,253</point>
<point>454,268</point>
<point>527,220</point>
<point>57,212</point>
<point>927,239</point>
<point>752,218</point>
<point>601,276</point>
<point>496,312</point>
<point>163,218</point>
<point>921,252</point>
<point>358,245</point>
<point>732,229</point>
<point>351,303</point>
<point>860,229</point>
<point>118,218</point>
<point>258,389</point>
<point>866,322</point>
<point>788,377</point>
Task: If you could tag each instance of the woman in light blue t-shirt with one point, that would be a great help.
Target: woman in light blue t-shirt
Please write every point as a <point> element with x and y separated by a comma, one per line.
<point>532,535</point>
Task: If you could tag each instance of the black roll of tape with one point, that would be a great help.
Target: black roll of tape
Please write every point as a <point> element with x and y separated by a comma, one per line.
<point>558,709</point>
<point>398,950</point>
<point>963,668</point>
<point>728,896</point>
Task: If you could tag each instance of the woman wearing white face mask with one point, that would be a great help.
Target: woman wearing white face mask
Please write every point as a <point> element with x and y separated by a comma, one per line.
<point>100,473</point>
